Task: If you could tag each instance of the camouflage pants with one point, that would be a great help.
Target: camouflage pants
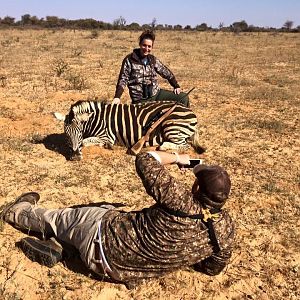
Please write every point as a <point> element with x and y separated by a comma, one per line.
<point>183,98</point>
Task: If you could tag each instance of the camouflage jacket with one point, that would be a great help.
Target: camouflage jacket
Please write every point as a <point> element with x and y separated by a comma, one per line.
<point>134,72</point>
<point>152,242</point>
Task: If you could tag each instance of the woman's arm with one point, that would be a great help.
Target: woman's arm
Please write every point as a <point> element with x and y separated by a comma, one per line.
<point>166,73</point>
<point>124,77</point>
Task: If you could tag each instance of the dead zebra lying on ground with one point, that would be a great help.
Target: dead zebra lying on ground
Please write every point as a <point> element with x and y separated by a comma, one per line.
<point>99,123</point>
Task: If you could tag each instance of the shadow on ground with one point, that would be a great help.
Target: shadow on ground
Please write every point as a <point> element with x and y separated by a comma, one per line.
<point>54,142</point>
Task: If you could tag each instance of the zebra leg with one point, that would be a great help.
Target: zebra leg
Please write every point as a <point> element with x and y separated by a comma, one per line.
<point>98,141</point>
<point>174,141</point>
<point>172,146</point>
<point>93,140</point>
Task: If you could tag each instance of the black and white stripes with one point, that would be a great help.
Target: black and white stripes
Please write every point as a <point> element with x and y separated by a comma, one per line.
<point>91,122</point>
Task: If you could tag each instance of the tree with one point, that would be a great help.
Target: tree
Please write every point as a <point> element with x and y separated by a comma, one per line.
<point>25,19</point>
<point>8,20</point>
<point>177,27</point>
<point>119,23</point>
<point>168,27</point>
<point>88,23</point>
<point>35,20</point>
<point>153,23</point>
<point>202,27</point>
<point>134,26</point>
<point>239,26</point>
<point>146,26</point>
<point>53,21</point>
<point>288,25</point>
<point>159,27</point>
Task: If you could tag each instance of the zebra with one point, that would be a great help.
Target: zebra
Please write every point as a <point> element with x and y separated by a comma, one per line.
<point>103,124</point>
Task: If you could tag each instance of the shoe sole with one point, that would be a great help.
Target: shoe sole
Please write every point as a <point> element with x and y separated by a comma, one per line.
<point>31,197</point>
<point>38,252</point>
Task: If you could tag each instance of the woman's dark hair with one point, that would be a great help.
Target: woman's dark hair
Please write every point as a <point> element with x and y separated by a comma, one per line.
<point>147,35</point>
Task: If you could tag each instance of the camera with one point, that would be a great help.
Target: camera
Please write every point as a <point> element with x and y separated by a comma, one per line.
<point>147,90</point>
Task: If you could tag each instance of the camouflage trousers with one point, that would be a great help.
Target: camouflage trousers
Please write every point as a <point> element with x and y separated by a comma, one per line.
<point>78,227</point>
<point>162,94</point>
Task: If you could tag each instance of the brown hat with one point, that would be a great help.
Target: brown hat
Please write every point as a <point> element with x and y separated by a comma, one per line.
<point>214,184</point>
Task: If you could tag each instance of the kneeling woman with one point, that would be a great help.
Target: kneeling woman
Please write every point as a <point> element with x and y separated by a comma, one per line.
<point>139,73</point>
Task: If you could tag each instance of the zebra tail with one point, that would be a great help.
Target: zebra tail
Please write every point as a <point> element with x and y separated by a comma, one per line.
<point>195,142</point>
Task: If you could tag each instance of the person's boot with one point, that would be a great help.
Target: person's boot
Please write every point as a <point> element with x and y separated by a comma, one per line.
<point>47,253</point>
<point>30,197</point>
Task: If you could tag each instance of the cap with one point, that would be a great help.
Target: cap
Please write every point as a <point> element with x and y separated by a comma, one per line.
<point>214,184</point>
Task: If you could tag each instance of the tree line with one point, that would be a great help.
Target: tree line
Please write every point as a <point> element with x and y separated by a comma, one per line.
<point>120,23</point>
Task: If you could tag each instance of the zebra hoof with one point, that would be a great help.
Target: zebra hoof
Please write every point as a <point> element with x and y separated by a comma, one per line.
<point>200,149</point>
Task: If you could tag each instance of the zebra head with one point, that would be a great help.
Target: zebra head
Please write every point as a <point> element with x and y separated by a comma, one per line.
<point>74,129</point>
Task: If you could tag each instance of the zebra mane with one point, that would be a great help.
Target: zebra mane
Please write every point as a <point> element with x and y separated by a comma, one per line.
<point>88,106</point>
<point>83,106</point>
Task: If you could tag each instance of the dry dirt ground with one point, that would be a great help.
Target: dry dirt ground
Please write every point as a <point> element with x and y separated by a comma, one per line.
<point>247,102</point>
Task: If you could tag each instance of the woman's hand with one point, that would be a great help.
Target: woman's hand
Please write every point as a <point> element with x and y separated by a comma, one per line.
<point>177,91</point>
<point>116,101</point>
<point>184,159</point>
<point>166,158</point>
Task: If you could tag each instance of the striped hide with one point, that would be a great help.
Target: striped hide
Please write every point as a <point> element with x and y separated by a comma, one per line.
<point>99,123</point>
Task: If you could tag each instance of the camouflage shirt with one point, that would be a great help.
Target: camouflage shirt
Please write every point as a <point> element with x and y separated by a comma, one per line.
<point>152,242</point>
<point>134,72</point>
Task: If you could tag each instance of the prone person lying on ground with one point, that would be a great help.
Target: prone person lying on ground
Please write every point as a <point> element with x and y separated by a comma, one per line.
<point>185,227</point>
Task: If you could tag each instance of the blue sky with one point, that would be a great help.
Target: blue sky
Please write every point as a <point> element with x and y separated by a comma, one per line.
<point>265,13</point>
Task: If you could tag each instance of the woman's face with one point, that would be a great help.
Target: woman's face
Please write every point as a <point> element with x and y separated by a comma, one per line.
<point>146,46</point>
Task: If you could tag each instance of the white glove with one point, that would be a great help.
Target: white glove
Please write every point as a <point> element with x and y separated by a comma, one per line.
<point>177,91</point>
<point>116,101</point>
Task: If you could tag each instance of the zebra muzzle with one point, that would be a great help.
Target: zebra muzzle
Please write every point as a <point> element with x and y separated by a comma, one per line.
<point>75,156</point>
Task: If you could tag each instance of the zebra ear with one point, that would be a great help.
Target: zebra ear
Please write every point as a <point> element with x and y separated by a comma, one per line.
<point>59,116</point>
<point>83,117</point>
